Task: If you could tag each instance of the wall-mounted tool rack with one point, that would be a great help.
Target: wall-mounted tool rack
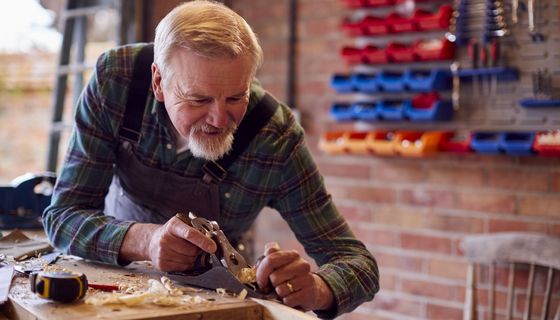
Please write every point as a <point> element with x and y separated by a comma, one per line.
<point>477,66</point>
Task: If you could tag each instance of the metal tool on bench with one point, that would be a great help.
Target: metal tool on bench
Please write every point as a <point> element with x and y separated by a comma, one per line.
<point>24,200</point>
<point>218,270</point>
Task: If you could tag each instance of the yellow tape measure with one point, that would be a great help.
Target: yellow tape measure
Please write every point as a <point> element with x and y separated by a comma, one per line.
<point>59,286</point>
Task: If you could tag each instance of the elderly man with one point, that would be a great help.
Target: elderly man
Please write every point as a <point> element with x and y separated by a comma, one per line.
<point>199,134</point>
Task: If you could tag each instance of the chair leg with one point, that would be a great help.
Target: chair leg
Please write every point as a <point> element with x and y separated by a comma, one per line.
<point>469,313</point>
<point>511,287</point>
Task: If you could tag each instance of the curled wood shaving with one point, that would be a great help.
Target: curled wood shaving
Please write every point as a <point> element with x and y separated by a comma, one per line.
<point>248,275</point>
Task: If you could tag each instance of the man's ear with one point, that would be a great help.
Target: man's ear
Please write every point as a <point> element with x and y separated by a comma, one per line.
<point>156,83</point>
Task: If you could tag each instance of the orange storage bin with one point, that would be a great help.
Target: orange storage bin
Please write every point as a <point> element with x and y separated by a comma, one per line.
<point>356,142</point>
<point>333,142</point>
<point>382,143</point>
<point>417,144</point>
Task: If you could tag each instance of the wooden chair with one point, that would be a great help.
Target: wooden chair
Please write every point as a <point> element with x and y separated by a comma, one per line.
<point>513,253</point>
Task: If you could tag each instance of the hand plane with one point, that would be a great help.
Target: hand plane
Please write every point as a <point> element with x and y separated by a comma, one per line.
<point>221,269</point>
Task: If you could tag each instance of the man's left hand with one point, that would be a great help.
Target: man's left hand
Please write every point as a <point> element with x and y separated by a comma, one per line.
<point>291,277</point>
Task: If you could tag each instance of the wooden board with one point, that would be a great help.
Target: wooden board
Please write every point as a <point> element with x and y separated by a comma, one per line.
<point>23,304</point>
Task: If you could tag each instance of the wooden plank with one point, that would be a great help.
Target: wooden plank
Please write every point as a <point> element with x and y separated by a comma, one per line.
<point>23,304</point>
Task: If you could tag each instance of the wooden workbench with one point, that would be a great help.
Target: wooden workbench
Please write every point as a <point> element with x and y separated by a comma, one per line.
<point>23,304</point>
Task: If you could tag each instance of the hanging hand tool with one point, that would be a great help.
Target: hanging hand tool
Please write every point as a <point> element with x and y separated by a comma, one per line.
<point>222,269</point>
<point>473,56</point>
<point>59,286</point>
<point>494,53</point>
<point>455,94</point>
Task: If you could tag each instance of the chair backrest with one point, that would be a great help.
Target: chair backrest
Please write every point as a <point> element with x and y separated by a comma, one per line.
<point>505,256</point>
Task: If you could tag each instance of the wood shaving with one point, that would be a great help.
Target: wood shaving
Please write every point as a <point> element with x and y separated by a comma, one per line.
<point>242,295</point>
<point>221,291</point>
<point>248,275</point>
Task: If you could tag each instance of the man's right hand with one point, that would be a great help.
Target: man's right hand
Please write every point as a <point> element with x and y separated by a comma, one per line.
<point>173,246</point>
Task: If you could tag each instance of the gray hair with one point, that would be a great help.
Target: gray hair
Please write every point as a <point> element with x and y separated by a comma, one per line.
<point>209,29</point>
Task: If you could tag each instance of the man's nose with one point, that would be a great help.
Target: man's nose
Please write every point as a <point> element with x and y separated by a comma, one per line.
<point>218,116</point>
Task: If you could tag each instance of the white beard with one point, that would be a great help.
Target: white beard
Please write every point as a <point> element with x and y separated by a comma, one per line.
<point>210,147</point>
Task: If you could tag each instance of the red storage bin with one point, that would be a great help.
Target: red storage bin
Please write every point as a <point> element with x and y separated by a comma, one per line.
<point>398,23</point>
<point>456,142</point>
<point>433,21</point>
<point>375,26</point>
<point>355,3</point>
<point>352,55</point>
<point>352,28</point>
<point>374,55</point>
<point>435,49</point>
<point>379,3</point>
<point>547,144</point>
<point>399,52</point>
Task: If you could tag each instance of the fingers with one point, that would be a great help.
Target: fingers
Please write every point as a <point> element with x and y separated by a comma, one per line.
<point>272,262</point>
<point>183,231</point>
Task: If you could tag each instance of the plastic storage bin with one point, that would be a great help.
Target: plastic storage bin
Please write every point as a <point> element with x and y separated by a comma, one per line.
<point>486,142</point>
<point>366,110</point>
<point>427,80</point>
<point>342,112</point>
<point>333,142</point>
<point>455,142</point>
<point>367,83</point>
<point>429,107</point>
<point>393,110</point>
<point>517,143</point>
<point>547,144</point>
<point>391,81</point>
<point>382,143</point>
<point>342,83</point>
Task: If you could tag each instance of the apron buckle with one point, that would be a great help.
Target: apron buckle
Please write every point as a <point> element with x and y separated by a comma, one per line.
<point>213,172</point>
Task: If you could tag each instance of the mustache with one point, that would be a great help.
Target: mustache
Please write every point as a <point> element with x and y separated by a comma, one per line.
<point>207,128</point>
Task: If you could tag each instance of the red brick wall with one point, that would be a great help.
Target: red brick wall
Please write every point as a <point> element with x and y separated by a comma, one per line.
<point>411,213</point>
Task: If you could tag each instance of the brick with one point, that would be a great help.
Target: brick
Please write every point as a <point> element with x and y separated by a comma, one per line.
<point>516,179</point>
<point>442,198</point>
<point>392,171</point>
<point>426,243</point>
<point>439,312</point>
<point>544,205</point>
<point>320,8</point>
<point>486,201</point>
<point>433,290</point>
<point>508,225</point>
<point>371,194</point>
<point>353,171</point>
<point>398,261</point>
<point>388,282</point>
<point>472,177</point>
<point>374,237</point>
<point>399,305</point>
<point>413,218</point>
<point>447,268</point>
<point>555,187</point>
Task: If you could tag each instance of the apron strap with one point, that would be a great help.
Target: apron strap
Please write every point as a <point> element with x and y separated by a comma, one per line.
<point>214,171</point>
<point>137,95</point>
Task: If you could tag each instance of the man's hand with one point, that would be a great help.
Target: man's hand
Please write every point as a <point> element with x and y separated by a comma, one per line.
<point>292,279</point>
<point>173,246</point>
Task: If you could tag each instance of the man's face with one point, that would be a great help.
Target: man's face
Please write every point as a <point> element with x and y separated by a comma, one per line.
<point>206,99</point>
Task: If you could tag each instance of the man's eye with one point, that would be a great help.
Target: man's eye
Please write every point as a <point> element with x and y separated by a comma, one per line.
<point>201,101</point>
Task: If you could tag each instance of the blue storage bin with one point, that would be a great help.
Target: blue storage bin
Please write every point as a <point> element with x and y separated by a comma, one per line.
<point>439,111</point>
<point>393,109</point>
<point>367,83</point>
<point>517,143</point>
<point>391,81</point>
<point>427,80</point>
<point>342,111</point>
<point>366,111</point>
<point>342,83</point>
<point>486,142</point>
